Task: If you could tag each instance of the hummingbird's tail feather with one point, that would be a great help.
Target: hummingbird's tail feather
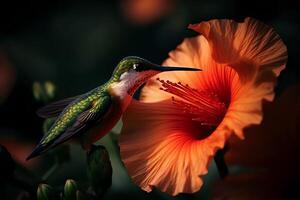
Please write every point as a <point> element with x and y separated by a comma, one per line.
<point>38,150</point>
<point>44,147</point>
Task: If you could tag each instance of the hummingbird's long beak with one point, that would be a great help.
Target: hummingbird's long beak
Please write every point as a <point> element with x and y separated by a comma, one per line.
<point>167,69</point>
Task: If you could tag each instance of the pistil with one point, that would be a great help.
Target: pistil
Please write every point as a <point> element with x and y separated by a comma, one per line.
<point>203,106</point>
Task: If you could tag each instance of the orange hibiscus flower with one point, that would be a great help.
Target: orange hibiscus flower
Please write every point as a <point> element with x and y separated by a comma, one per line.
<point>170,136</point>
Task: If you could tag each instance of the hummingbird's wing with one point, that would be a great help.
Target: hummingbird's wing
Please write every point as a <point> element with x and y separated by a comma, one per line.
<point>55,108</point>
<point>87,118</point>
<point>93,113</point>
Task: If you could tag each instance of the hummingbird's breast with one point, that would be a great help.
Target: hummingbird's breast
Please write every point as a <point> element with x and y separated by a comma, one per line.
<point>120,101</point>
<point>104,125</point>
<point>120,93</point>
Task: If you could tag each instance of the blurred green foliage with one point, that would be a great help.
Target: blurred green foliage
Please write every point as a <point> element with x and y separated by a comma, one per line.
<point>99,172</point>
<point>99,169</point>
<point>43,92</point>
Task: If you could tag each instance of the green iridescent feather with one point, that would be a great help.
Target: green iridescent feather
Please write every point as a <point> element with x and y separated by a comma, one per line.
<point>77,116</point>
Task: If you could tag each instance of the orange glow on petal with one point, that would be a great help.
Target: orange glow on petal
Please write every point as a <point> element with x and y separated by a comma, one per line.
<point>146,11</point>
<point>19,150</point>
<point>167,154</point>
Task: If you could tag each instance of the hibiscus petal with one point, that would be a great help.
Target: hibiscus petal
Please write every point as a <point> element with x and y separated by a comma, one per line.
<point>159,148</point>
<point>250,47</point>
<point>192,52</point>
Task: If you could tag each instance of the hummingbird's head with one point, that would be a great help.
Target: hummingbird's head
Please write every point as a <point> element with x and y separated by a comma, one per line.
<point>132,72</point>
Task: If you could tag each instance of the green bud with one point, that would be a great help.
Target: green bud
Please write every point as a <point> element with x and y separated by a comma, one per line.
<point>99,169</point>
<point>49,89</point>
<point>43,92</point>
<point>46,192</point>
<point>37,90</point>
<point>70,189</point>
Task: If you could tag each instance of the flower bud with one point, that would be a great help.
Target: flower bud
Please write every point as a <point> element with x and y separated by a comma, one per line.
<point>99,169</point>
<point>70,189</point>
<point>46,192</point>
<point>49,89</point>
<point>43,92</point>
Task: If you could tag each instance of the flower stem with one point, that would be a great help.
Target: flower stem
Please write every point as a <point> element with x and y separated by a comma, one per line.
<point>221,164</point>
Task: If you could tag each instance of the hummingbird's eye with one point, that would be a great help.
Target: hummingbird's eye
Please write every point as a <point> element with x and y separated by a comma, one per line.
<point>135,66</point>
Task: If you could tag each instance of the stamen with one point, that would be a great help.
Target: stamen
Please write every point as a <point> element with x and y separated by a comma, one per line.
<point>203,106</point>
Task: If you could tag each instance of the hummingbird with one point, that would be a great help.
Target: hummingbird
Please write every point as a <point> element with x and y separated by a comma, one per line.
<point>86,118</point>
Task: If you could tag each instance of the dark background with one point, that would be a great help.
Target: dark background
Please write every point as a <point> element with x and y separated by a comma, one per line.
<point>77,44</point>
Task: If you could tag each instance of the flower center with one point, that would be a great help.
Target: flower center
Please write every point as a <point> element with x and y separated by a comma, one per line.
<point>200,106</point>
